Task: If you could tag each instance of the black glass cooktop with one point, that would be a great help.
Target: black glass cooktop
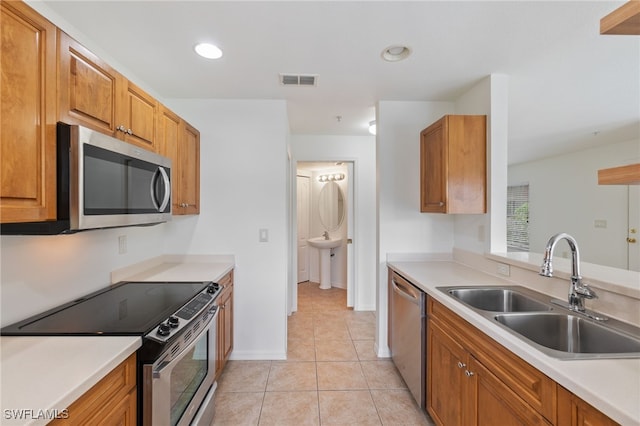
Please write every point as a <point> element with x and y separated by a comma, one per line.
<point>127,308</point>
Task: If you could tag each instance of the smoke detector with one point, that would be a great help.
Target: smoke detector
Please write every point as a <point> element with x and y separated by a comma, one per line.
<point>299,79</point>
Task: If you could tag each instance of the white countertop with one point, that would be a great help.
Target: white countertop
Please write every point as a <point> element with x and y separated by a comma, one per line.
<point>611,385</point>
<point>39,375</point>
<point>43,374</point>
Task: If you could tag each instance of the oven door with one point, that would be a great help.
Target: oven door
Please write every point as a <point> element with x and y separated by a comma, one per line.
<point>179,386</point>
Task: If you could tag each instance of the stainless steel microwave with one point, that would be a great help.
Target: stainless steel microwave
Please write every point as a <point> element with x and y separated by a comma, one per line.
<point>103,182</point>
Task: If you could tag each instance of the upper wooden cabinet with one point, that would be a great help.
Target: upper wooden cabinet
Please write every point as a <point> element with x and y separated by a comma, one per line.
<point>27,115</point>
<point>88,87</point>
<point>180,142</point>
<point>94,95</point>
<point>137,116</point>
<point>453,165</point>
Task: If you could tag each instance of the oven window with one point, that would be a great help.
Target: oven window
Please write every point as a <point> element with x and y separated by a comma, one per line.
<point>187,376</point>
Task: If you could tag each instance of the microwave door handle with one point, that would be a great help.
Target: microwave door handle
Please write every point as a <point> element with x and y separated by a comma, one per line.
<point>160,206</point>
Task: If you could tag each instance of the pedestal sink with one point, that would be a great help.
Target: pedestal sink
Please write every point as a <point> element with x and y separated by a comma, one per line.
<point>324,246</point>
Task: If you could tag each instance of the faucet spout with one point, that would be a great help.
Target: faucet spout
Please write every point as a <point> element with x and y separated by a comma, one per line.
<point>578,291</point>
<point>325,234</point>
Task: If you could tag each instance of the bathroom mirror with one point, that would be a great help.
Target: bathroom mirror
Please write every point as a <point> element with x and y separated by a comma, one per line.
<point>331,206</point>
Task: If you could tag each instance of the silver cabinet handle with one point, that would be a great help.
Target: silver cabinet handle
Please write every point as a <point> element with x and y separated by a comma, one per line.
<point>469,373</point>
<point>441,203</point>
<point>461,364</point>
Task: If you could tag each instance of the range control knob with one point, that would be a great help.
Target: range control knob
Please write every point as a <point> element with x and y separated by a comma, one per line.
<point>164,329</point>
<point>173,321</point>
<point>212,288</point>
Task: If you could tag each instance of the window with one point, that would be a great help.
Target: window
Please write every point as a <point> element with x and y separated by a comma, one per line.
<point>518,218</point>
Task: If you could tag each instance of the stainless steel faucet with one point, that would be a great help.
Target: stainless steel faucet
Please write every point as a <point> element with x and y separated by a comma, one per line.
<point>578,291</point>
<point>325,234</point>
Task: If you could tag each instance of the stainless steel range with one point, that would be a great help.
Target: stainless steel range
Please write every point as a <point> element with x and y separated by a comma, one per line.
<point>177,324</point>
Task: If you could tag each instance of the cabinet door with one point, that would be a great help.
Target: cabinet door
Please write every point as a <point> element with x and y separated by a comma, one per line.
<point>225,328</point>
<point>433,169</point>
<point>169,134</point>
<point>27,115</point>
<point>189,178</point>
<point>573,411</point>
<point>87,88</point>
<point>137,113</point>
<point>446,361</point>
<point>492,403</point>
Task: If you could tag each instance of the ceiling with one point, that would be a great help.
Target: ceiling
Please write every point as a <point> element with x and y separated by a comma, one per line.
<point>569,87</point>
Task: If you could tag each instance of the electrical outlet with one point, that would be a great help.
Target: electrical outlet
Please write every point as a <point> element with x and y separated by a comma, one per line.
<point>503,269</point>
<point>122,244</point>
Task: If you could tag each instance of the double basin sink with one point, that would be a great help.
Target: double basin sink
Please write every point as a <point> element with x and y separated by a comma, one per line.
<point>542,322</point>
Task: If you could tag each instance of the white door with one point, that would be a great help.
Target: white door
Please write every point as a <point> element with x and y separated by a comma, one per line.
<point>633,234</point>
<point>303,194</point>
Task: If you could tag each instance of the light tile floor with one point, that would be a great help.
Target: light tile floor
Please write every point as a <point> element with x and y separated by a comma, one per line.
<point>332,375</point>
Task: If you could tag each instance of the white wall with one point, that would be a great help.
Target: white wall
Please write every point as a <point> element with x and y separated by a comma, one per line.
<point>41,272</point>
<point>483,233</point>
<point>361,151</point>
<point>243,188</point>
<point>564,196</point>
<point>402,228</point>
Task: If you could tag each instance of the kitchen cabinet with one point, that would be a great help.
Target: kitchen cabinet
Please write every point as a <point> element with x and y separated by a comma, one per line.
<point>472,380</point>
<point>27,115</point>
<point>453,165</point>
<point>573,411</point>
<point>93,94</point>
<point>180,142</point>
<point>225,322</point>
<point>111,401</point>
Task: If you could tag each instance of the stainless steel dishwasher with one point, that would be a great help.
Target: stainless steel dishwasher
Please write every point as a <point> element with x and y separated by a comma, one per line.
<point>407,334</point>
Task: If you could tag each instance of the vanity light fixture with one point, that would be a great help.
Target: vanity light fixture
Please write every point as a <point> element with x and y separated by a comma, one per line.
<point>208,50</point>
<point>331,177</point>
<point>372,127</point>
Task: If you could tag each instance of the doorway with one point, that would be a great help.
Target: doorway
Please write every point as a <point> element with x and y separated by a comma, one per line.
<point>324,209</point>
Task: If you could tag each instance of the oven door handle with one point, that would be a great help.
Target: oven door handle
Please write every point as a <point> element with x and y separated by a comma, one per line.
<point>168,364</point>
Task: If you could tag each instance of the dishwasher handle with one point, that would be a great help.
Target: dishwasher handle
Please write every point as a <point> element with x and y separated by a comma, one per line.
<point>406,291</point>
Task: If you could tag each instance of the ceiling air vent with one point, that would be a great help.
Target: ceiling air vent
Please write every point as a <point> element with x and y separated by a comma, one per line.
<point>298,79</point>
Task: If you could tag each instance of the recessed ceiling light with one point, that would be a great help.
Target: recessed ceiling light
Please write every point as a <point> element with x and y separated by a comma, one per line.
<point>395,53</point>
<point>208,50</point>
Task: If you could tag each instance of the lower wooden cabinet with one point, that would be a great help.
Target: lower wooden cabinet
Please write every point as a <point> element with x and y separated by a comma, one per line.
<point>462,391</point>
<point>225,323</point>
<point>473,380</point>
<point>112,401</point>
<point>573,411</point>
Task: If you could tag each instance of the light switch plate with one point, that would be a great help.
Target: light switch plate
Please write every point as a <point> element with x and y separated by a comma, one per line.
<point>263,235</point>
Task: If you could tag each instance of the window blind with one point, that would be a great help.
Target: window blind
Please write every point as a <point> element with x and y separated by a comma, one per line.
<point>518,218</point>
